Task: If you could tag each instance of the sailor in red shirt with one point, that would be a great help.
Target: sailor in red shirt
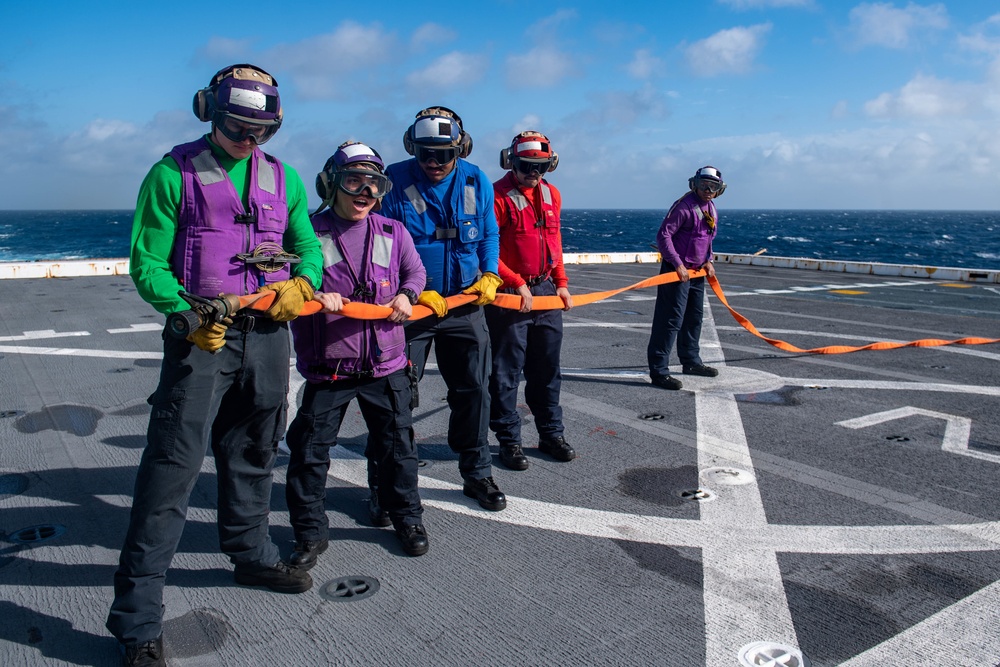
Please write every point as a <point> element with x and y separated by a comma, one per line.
<point>527,209</point>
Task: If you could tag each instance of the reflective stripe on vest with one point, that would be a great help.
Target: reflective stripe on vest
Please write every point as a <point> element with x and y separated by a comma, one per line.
<point>470,200</point>
<point>331,253</point>
<point>416,200</point>
<point>265,176</point>
<point>521,202</point>
<point>381,250</point>
<point>208,170</point>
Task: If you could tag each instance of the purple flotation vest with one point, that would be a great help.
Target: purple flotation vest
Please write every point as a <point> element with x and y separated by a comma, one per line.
<point>213,227</point>
<point>329,347</point>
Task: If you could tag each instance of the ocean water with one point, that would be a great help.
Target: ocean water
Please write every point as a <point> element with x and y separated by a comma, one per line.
<point>965,239</point>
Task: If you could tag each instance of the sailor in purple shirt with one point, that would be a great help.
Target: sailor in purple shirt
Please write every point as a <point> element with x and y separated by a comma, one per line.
<point>367,258</point>
<point>685,244</point>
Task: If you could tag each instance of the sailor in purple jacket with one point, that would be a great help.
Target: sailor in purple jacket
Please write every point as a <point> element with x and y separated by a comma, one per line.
<point>685,243</point>
<point>367,258</point>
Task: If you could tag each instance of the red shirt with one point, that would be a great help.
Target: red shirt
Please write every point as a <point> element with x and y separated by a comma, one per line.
<point>530,237</point>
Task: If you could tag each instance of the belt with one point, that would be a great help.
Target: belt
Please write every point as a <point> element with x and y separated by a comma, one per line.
<point>537,280</point>
<point>244,323</point>
<point>334,374</point>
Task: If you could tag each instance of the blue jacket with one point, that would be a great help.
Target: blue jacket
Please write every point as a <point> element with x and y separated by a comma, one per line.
<point>453,225</point>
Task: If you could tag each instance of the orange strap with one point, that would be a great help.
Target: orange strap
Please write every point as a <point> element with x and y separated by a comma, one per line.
<point>367,311</point>
<point>355,310</point>
<point>839,349</point>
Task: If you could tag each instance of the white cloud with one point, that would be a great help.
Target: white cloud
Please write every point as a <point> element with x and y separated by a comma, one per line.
<point>334,65</point>
<point>883,24</point>
<point>543,30</point>
<point>540,67</point>
<point>727,51</point>
<point>766,4</point>
<point>455,69</point>
<point>644,65</point>
<point>926,97</point>
<point>984,37</point>
<point>223,48</point>
<point>528,122</point>
<point>431,35</point>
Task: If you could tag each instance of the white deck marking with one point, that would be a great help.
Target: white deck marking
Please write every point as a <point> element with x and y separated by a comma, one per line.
<point>743,589</point>
<point>957,429</point>
<point>968,628</point>
<point>820,288</point>
<point>137,328</point>
<point>874,540</point>
<point>744,594</point>
<point>42,335</point>
<point>80,352</point>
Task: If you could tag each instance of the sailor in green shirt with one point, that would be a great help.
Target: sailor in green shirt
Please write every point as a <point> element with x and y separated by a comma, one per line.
<point>155,227</point>
<point>206,215</point>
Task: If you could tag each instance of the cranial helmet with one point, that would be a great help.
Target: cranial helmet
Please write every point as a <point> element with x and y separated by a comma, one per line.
<point>707,174</point>
<point>437,128</point>
<point>530,148</point>
<point>352,157</point>
<point>245,93</point>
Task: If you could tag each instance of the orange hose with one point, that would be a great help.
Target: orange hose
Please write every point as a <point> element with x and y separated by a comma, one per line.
<point>839,349</point>
<point>367,311</point>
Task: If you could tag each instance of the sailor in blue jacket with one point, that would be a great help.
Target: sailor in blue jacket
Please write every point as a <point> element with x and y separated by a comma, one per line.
<point>446,204</point>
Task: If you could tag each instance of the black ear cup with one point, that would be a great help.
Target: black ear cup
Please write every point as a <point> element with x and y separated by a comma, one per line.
<point>408,141</point>
<point>203,104</point>
<point>505,161</point>
<point>324,186</point>
<point>464,145</point>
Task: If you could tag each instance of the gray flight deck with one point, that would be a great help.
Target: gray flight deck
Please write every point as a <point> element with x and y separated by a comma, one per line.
<point>798,509</point>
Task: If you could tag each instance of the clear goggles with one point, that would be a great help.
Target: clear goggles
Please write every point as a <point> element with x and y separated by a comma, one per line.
<point>526,166</point>
<point>709,186</point>
<point>442,156</point>
<point>237,130</point>
<point>356,181</point>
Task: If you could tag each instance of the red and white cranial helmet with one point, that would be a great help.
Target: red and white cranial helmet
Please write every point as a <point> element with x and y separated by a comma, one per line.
<point>529,151</point>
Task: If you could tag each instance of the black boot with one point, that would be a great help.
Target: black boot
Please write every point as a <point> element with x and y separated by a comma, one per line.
<point>513,457</point>
<point>486,493</point>
<point>413,539</point>
<point>306,553</point>
<point>557,448</point>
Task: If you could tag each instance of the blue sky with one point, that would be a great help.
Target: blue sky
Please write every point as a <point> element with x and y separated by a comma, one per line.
<point>800,103</point>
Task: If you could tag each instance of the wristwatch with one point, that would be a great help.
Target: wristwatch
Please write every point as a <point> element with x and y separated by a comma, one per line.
<point>409,294</point>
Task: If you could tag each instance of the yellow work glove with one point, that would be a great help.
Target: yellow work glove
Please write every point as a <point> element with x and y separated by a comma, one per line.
<point>211,337</point>
<point>289,297</point>
<point>485,287</point>
<point>434,301</point>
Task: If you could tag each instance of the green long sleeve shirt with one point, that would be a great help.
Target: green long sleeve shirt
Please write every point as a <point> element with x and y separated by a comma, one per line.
<point>155,227</point>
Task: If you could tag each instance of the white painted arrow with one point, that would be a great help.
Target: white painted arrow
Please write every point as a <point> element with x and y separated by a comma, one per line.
<point>956,431</point>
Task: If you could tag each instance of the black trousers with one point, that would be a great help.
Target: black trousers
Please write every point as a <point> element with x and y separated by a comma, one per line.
<point>385,406</point>
<point>233,401</point>
<point>462,349</point>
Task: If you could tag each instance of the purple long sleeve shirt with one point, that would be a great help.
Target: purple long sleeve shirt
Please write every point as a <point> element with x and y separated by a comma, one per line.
<point>686,233</point>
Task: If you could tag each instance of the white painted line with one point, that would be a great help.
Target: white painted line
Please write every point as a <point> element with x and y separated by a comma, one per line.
<point>967,630</point>
<point>890,385</point>
<point>744,594</point>
<point>43,335</point>
<point>957,429</point>
<point>133,328</point>
<point>77,352</point>
<point>526,512</point>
